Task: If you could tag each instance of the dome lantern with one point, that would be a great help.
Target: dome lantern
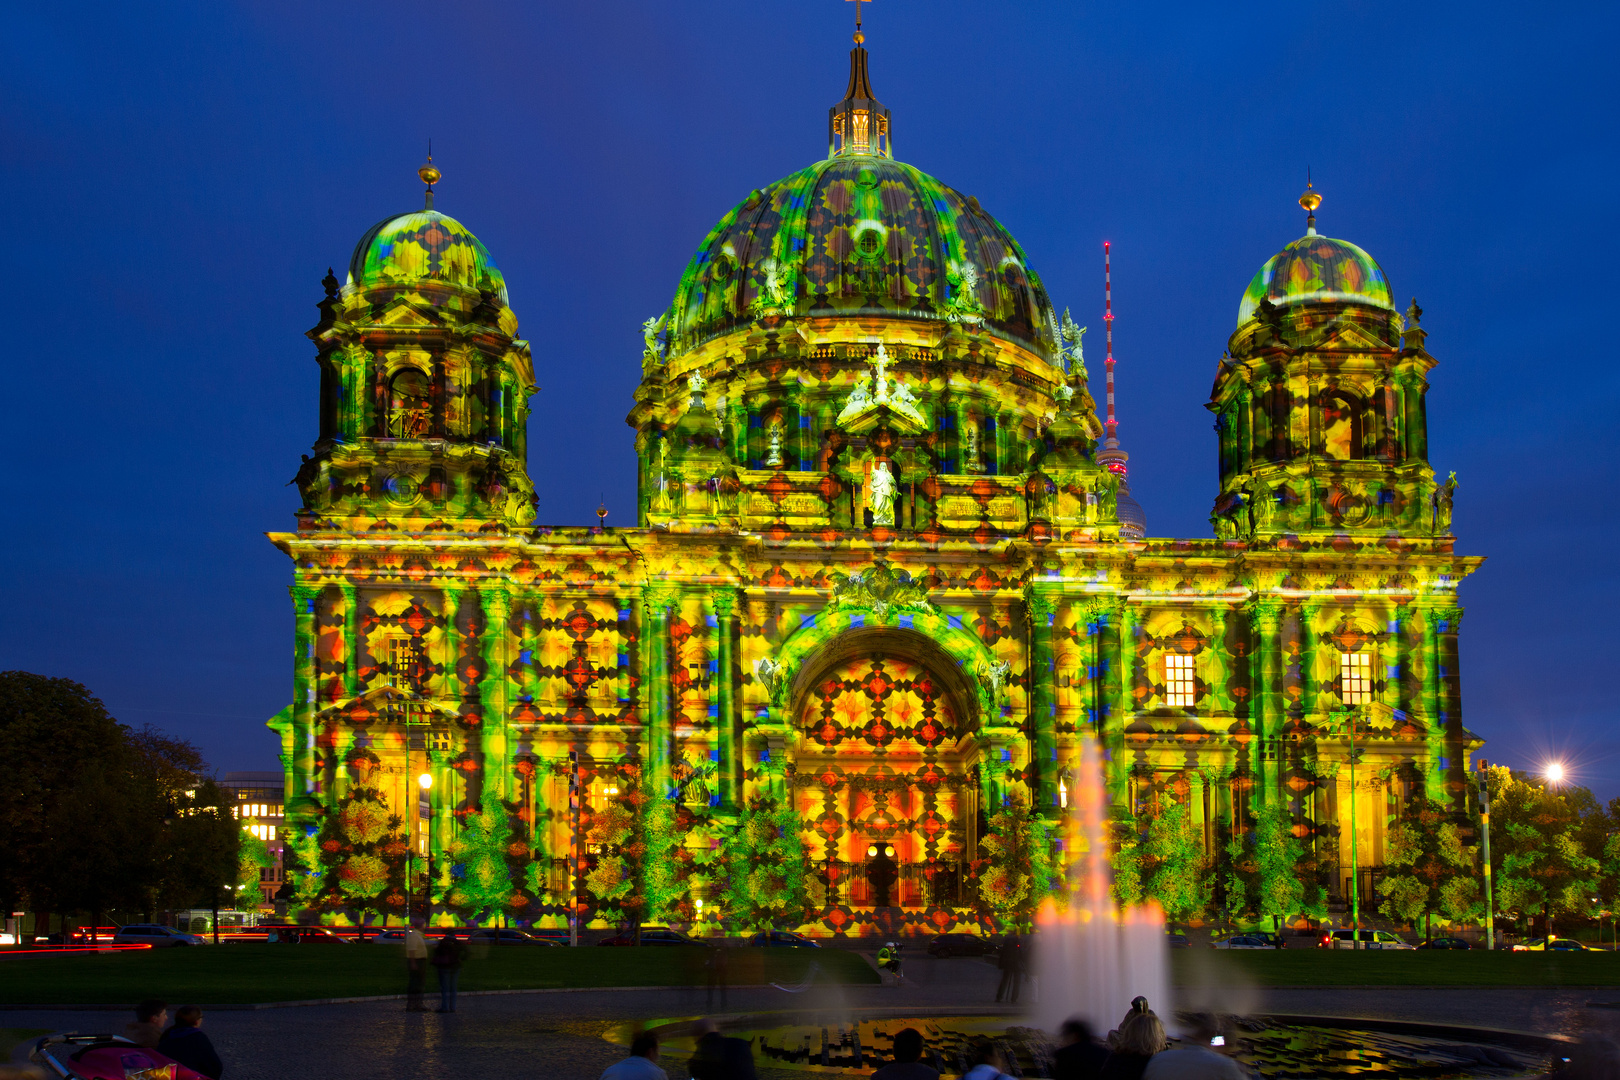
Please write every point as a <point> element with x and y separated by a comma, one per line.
<point>859,124</point>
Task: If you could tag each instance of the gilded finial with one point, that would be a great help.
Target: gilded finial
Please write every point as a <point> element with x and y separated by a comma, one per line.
<point>1310,201</point>
<point>430,175</point>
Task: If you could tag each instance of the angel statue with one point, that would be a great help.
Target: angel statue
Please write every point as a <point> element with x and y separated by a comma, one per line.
<point>859,398</point>
<point>650,329</point>
<point>1075,349</point>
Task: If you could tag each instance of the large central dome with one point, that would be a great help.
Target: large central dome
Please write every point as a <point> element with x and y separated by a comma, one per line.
<point>861,234</point>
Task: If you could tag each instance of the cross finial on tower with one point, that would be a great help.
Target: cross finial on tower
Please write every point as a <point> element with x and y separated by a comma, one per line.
<point>859,37</point>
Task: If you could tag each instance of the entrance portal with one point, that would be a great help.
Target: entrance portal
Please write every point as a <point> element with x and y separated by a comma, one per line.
<point>885,767</point>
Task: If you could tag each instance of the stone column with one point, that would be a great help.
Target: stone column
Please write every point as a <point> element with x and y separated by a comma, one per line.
<point>1266,616</point>
<point>304,599</point>
<point>657,723</point>
<point>1432,619</point>
<point>351,640</point>
<point>492,735</point>
<point>1448,732</point>
<point>1310,655</point>
<point>727,726</point>
<point>1042,607</point>
<point>453,688</point>
<point>1124,663</point>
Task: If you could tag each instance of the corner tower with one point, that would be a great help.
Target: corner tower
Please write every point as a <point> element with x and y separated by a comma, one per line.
<point>424,387</point>
<point>1319,402</point>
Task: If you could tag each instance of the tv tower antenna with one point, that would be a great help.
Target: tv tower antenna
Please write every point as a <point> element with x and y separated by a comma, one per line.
<point>1111,456</point>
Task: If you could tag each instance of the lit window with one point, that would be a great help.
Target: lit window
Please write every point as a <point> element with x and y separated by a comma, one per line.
<point>1179,688</point>
<point>1355,678</point>
<point>403,659</point>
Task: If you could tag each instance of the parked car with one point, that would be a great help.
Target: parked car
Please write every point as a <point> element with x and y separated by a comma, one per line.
<point>651,935</point>
<point>1176,941</point>
<point>1244,941</point>
<point>508,937</point>
<point>782,939</point>
<point>1444,943</point>
<point>961,945</point>
<point>302,935</point>
<point>159,937</point>
<point>1553,944</point>
<point>387,937</point>
<point>560,937</point>
<point>1367,939</point>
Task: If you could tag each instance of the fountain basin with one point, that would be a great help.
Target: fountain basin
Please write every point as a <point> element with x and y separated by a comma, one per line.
<point>1271,1045</point>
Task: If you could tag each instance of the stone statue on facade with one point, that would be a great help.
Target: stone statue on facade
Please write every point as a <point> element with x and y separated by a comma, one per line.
<point>773,453</point>
<point>881,497</point>
<point>1443,495</point>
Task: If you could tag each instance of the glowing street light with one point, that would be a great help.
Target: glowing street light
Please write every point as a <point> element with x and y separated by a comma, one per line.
<point>1554,772</point>
<point>426,780</point>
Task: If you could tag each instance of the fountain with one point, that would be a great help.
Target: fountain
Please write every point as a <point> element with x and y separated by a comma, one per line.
<point>1091,957</point>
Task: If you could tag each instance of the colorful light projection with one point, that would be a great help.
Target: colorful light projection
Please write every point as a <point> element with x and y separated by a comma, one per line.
<point>878,593</point>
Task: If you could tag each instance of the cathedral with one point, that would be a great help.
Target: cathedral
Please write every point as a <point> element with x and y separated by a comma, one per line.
<point>886,577</point>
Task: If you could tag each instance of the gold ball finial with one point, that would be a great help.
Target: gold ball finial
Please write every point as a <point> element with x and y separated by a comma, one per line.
<point>860,38</point>
<point>1310,200</point>
<point>428,173</point>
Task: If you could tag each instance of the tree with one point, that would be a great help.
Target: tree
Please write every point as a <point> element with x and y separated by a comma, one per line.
<point>482,878</point>
<point>1541,868</point>
<point>1019,869</point>
<point>51,732</point>
<point>1432,870</point>
<point>1173,867</point>
<point>767,874</point>
<point>1269,871</point>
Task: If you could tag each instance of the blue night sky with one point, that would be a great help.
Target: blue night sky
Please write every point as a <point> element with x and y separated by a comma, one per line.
<point>185,173</point>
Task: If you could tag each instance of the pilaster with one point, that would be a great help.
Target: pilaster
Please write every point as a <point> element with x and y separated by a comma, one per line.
<point>728,726</point>
<point>1042,605</point>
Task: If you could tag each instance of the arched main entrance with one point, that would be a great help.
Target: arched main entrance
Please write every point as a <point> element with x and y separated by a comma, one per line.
<point>886,781</point>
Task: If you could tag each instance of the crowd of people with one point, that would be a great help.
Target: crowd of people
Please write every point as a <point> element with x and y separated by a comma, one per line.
<point>1139,1049</point>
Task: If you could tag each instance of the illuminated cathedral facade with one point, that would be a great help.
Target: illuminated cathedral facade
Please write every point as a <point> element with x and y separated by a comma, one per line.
<point>885,577</point>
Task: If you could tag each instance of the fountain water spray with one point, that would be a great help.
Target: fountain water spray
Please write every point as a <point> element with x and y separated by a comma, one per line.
<point>1092,957</point>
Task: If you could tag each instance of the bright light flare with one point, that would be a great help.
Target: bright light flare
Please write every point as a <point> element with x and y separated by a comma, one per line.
<point>426,780</point>
<point>1554,772</point>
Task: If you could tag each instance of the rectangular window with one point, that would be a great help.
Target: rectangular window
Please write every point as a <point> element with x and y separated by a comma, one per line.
<point>1355,678</point>
<point>401,658</point>
<point>1179,688</point>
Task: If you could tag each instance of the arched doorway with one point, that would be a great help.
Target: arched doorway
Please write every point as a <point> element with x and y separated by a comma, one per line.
<point>885,774</point>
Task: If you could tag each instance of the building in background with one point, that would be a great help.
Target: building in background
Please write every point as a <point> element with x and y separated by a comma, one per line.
<point>883,578</point>
<point>258,800</point>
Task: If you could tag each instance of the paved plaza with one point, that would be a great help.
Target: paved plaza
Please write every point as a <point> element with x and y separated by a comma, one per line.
<point>559,1034</point>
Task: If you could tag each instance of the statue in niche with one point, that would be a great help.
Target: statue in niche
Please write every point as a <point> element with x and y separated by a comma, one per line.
<point>1091,508</point>
<point>773,456</point>
<point>902,398</point>
<point>970,447</point>
<point>880,497</point>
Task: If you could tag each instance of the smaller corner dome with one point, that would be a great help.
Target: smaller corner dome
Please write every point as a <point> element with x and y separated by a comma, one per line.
<point>423,245</point>
<point>1317,269</point>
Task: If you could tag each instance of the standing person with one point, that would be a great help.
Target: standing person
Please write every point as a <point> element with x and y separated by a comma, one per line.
<point>447,955</point>
<point>416,956</point>
<point>907,1063</point>
<point>720,1058</point>
<point>1010,963</point>
<point>1194,1059</point>
<point>1140,1037</point>
<point>642,1064</point>
<point>717,967</point>
<point>186,1044</point>
<point>1081,1056</point>
<point>151,1017</point>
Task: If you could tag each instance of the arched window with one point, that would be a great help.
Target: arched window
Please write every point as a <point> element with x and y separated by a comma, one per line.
<point>1341,426</point>
<point>408,408</point>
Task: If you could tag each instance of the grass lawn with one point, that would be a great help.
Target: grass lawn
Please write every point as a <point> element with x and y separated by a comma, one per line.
<point>248,973</point>
<point>1333,967</point>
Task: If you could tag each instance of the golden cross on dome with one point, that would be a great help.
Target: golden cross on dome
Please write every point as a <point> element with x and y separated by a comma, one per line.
<point>859,37</point>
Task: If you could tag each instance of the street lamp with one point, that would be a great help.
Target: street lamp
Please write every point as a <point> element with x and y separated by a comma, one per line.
<point>1485,839</point>
<point>1554,772</point>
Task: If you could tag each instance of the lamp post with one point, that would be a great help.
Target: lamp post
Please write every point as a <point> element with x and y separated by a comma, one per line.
<point>1485,831</point>
<point>575,796</point>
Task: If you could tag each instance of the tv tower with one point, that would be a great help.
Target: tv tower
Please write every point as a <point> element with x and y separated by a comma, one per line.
<point>1132,522</point>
